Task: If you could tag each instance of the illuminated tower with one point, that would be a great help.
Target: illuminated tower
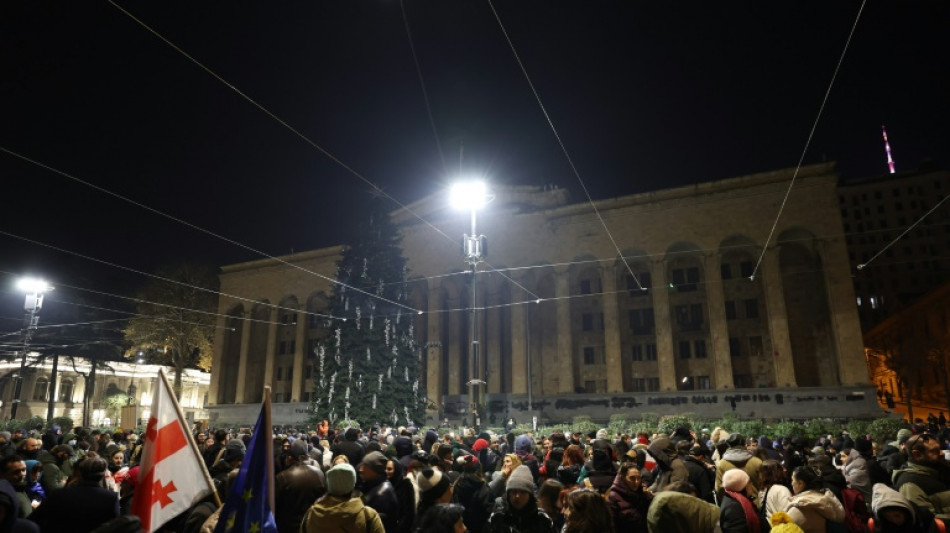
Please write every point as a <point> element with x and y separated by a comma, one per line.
<point>887,148</point>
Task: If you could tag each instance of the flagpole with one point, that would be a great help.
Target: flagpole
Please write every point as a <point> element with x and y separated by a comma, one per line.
<point>190,437</point>
<point>269,443</point>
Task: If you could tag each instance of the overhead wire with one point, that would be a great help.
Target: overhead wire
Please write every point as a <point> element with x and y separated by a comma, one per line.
<point>905,232</point>
<point>811,134</point>
<point>560,142</point>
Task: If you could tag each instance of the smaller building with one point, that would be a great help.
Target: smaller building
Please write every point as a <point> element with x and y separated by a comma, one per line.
<point>136,381</point>
<point>908,354</point>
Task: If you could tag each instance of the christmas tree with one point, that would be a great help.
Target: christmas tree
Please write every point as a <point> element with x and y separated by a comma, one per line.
<point>367,369</point>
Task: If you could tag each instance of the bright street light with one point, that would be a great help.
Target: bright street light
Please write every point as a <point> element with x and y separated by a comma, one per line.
<point>34,289</point>
<point>469,195</point>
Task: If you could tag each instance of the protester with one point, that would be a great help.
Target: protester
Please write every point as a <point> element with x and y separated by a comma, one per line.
<point>83,506</point>
<point>586,512</point>
<point>518,510</point>
<point>812,506</point>
<point>628,500</point>
<point>338,510</point>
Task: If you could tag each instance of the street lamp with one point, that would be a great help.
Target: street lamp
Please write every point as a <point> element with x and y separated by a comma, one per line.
<point>471,196</point>
<point>34,289</point>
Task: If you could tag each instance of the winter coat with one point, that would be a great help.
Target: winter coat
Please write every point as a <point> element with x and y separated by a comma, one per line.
<point>669,466</point>
<point>530,519</point>
<point>732,517</point>
<point>474,494</point>
<point>775,498</point>
<point>381,496</point>
<point>765,443</point>
<point>8,506</point>
<point>856,474</point>
<point>54,477</point>
<point>739,458</point>
<point>628,507</point>
<point>295,490</point>
<point>920,520</point>
<point>341,515</point>
<point>676,512</point>
<point>812,510</point>
<point>349,447</point>
<point>923,486</point>
<point>77,508</point>
<point>701,476</point>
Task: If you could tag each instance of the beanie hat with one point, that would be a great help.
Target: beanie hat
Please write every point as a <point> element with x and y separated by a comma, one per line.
<point>403,446</point>
<point>735,480</point>
<point>479,445</point>
<point>735,439</point>
<point>863,445</point>
<point>521,479</point>
<point>467,463</point>
<point>432,484</point>
<point>783,523</point>
<point>601,434</point>
<point>376,462</point>
<point>341,479</point>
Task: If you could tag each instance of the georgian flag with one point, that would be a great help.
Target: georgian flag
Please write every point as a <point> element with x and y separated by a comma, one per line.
<point>172,476</point>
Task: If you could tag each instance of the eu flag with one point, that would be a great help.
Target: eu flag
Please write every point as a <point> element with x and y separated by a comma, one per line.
<point>247,509</point>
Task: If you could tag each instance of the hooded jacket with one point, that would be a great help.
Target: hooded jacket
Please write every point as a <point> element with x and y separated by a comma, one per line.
<point>856,473</point>
<point>922,485</point>
<point>812,510</point>
<point>883,497</point>
<point>675,512</point>
<point>344,515</point>
<point>628,507</point>
<point>670,467</point>
<point>530,519</point>
<point>739,457</point>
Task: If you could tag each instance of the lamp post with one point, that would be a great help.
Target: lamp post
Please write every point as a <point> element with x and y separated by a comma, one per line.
<point>34,289</point>
<point>471,196</point>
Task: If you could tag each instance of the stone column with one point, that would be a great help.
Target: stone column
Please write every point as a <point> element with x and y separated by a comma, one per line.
<point>612,349</point>
<point>434,344</point>
<point>217,359</point>
<point>845,324</point>
<point>519,345</point>
<point>240,395</point>
<point>778,319</point>
<point>718,326</point>
<point>567,376</point>
<point>270,350</point>
<point>664,326</point>
<point>455,344</point>
<point>300,339</point>
<point>495,374</point>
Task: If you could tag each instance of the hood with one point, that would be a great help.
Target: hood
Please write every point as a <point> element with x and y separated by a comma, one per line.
<point>765,442</point>
<point>403,446</point>
<point>737,456</point>
<point>663,451</point>
<point>884,496</point>
<point>46,458</point>
<point>8,500</point>
<point>336,509</point>
<point>822,502</point>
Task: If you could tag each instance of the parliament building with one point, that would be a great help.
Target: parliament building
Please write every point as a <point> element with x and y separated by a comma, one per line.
<point>698,312</point>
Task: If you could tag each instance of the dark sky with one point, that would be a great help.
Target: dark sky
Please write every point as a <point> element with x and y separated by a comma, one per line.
<point>645,95</point>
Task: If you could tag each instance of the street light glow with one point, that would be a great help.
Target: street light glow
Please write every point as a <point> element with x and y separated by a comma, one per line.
<point>469,195</point>
<point>33,285</point>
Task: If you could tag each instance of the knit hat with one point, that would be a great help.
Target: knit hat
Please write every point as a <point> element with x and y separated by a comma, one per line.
<point>234,449</point>
<point>783,523</point>
<point>376,462</point>
<point>341,479</point>
<point>601,433</point>
<point>735,480</point>
<point>432,483</point>
<point>403,446</point>
<point>862,445</point>
<point>521,479</point>
<point>479,445</point>
<point>467,463</point>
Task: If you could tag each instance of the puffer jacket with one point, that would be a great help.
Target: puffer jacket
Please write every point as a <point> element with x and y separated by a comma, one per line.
<point>923,486</point>
<point>675,512</point>
<point>856,473</point>
<point>344,515</point>
<point>739,458</point>
<point>812,510</point>
<point>628,507</point>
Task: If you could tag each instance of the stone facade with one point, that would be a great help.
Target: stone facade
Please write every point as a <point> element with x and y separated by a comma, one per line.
<point>561,314</point>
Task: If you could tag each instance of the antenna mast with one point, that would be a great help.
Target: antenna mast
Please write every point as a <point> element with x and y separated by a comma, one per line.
<point>887,148</point>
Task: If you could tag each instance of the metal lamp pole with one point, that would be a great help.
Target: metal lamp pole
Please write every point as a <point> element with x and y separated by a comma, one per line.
<point>34,289</point>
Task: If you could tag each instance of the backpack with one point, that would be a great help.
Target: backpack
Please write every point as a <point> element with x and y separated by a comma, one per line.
<point>856,513</point>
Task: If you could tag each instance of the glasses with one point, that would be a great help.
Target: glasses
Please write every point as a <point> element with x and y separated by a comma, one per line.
<point>914,442</point>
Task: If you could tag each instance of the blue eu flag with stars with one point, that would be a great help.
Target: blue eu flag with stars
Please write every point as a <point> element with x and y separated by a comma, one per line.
<point>247,509</point>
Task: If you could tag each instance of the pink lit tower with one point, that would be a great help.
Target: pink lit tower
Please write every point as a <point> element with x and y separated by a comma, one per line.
<point>887,148</point>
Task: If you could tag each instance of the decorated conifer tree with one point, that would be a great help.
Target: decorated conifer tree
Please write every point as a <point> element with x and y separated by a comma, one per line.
<point>367,369</point>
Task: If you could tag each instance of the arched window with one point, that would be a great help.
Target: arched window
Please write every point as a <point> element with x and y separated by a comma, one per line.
<point>66,391</point>
<point>40,389</point>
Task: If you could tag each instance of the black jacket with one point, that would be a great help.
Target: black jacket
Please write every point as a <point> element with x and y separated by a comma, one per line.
<point>476,497</point>
<point>295,490</point>
<point>78,509</point>
<point>381,496</point>
<point>530,519</point>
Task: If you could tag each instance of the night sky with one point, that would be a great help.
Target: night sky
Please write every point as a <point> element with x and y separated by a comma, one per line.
<point>644,95</point>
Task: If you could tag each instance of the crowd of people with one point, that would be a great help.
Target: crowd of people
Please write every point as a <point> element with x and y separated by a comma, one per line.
<point>404,480</point>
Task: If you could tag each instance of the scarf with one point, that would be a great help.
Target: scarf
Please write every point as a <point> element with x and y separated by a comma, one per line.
<point>751,517</point>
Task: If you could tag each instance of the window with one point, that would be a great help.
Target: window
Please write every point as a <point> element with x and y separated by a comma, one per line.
<point>702,383</point>
<point>590,386</point>
<point>308,372</point>
<point>587,321</point>
<point>590,357</point>
<point>685,280</point>
<point>585,286</point>
<point>293,346</point>
<point>66,391</point>
<point>282,347</point>
<point>725,271</point>
<point>40,389</point>
<point>280,373</point>
<point>730,310</point>
<point>735,349</point>
<point>290,373</point>
<point>637,352</point>
<point>755,346</point>
<point>306,397</point>
<point>312,347</point>
<point>651,351</point>
<point>633,289</point>
<point>699,349</point>
<point>684,350</point>
<point>641,321</point>
<point>746,268</point>
<point>645,384</point>
<point>752,308</point>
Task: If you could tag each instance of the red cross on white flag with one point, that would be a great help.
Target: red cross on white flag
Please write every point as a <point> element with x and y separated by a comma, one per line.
<point>172,476</point>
